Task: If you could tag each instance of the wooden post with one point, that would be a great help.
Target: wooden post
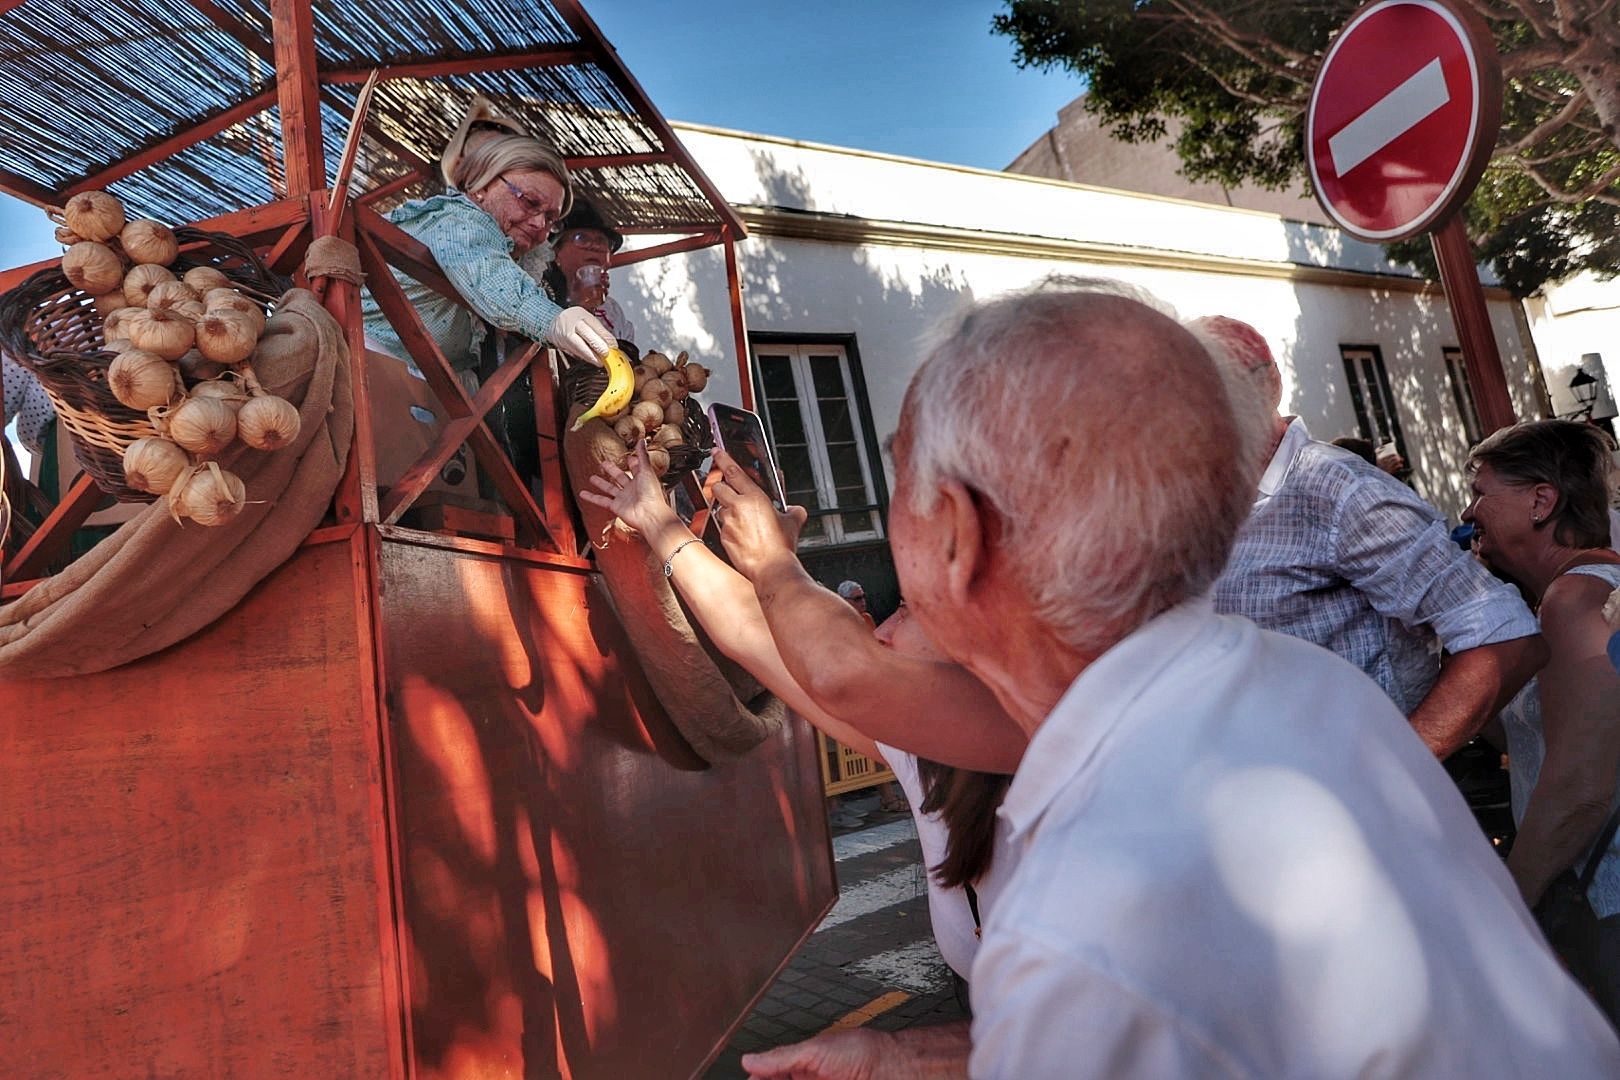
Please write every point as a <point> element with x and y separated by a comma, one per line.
<point>739,323</point>
<point>1459,276</point>
<point>298,93</point>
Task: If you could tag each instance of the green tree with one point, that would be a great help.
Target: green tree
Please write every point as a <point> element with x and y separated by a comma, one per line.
<point>1237,74</point>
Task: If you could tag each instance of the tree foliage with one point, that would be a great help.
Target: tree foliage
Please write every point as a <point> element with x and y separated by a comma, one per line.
<point>1237,74</point>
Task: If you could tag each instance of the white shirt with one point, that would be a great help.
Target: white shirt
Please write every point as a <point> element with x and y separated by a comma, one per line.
<point>1233,857</point>
<point>948,911</point>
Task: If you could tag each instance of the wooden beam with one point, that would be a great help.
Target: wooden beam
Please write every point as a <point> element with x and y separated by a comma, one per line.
<point>393,187</point>
<point>550,415</point>
<point>54,534</point>
<point>259,225</point>
<point>417,478</point>
<point>406,252</point>
<point>620,161</point>
<point>244,36</point>
<point>421,347</point>
<point>299,95</point>
<point>674,247</point>
<point>551,56</point>
<point>573,13</point>
<point>29,191</point>
<point>190,136</point>
<point>739,321</point>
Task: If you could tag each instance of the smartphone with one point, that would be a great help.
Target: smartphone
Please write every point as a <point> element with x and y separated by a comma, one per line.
<point>741,434</point>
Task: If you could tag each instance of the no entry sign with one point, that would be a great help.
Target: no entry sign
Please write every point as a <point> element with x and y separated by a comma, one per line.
<point>1403,117</point>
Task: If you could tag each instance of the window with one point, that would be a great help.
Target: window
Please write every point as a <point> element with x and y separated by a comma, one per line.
<point>1463,393</point>
<point>1369,393</point>
<point>812,399</point>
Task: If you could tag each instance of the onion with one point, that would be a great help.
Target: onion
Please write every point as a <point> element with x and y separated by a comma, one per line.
<point>95,268</point>
<point>203,425</point>
<point>94,215</point>
<point>152,465</point>
<point>142,280</point>
<point>149,242</point>
<point>267,422</point>
<point>143,380</point>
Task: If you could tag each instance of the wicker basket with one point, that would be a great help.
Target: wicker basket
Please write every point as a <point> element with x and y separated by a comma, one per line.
<point>584,383</point>
<point>50,327</point>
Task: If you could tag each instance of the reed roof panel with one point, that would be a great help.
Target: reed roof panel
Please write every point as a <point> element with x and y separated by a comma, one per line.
<point>89,84</point>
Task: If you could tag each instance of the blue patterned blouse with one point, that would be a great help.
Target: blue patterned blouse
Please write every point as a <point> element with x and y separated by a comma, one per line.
<point>477,259</point>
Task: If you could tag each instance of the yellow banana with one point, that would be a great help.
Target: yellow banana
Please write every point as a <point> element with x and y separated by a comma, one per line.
<point>621,388</point>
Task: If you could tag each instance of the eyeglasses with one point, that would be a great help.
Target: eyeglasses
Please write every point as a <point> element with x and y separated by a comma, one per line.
<point>535,206</point>
<point>588,239</point>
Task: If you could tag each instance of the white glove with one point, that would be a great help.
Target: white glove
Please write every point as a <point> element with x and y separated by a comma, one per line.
<point>579,333</point>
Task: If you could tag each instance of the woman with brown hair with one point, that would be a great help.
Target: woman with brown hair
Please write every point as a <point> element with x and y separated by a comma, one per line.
<point>1540,517</point>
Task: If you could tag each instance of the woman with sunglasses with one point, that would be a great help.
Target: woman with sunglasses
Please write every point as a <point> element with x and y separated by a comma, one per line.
<point>505,191</point>
<point>577,275</point>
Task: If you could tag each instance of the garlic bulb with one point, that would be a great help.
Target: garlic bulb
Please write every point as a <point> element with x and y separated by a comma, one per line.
<point>231,300</point>
<point>203,425</point>
<point>676,383</point>
<point>656,391</point>
<point>115,327</point>
<point>226,337</point>
<point>94,215</point>
<point>658,457</point>
<point>675,414</point>
<point>95,268</point>
<point>143,380</point>
<point>643,374</point>
<point>630,430</point>
<point>142,280</point>
<point>191,309</point>
<point>149,242</point>
<point>204,279</point>
<point>226,390</point>
<point>656,362</point>
<point>67,237</point>
<point>207,494</point>
<point>164,332</point>
<point>697,377</point>
<point>168,294</point>
<point>198,368</point>
<point>649,413</point>
<point>268,422</point>
<point>152,465</point>
<point>667,436</point>
<point>107,303</point>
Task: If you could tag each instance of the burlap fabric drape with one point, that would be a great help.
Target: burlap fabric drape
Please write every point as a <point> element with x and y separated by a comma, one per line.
<point>716,706</point>
<point>155,581</point>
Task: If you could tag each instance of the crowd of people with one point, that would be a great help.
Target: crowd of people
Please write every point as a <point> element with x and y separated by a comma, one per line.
<point>1173,710</point>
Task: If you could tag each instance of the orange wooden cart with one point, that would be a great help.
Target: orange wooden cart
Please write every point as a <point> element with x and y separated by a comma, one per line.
<point>410,809</point>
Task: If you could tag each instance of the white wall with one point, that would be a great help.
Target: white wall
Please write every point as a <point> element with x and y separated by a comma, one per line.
<point>888,296</point>
<point>1570,320</point>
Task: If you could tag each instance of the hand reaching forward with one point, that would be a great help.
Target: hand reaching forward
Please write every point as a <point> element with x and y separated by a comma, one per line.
<point>755,535</point>
<point>635,496</point>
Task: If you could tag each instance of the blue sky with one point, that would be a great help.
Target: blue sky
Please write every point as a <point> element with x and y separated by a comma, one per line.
<point>912,77</point>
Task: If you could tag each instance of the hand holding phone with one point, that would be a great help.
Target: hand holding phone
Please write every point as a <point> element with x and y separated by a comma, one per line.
<point>741,434</point>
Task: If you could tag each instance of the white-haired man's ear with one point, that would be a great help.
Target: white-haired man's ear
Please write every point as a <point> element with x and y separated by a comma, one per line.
<point>967,522</point>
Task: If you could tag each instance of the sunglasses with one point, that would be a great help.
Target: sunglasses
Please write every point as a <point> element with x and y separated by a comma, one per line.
<point>535,206</point>
<point>588,239</point>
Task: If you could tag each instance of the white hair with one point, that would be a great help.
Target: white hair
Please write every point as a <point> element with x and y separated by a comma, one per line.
<point>1098,430</point>
<point>1254,392</point>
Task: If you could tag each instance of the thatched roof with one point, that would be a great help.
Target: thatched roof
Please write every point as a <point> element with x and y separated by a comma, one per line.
<point>113,94</point>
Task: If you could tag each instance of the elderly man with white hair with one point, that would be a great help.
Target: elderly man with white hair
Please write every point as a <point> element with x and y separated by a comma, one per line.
<point>1231,856</point>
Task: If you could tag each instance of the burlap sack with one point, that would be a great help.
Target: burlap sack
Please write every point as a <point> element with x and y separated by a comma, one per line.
<point>155,581</point>
<point>719,708</point>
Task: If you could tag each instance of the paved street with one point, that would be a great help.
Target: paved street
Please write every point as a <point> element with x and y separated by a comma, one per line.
<point>872,961</point>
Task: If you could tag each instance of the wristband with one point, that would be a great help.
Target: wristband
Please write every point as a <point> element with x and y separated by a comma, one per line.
<point>670,569</point>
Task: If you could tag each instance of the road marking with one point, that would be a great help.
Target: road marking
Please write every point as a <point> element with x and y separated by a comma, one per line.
<point>917,967</point>
<point>874,1008</point>
<point>877,838</point>
<point>1390,117</point>
<point>885,890</point>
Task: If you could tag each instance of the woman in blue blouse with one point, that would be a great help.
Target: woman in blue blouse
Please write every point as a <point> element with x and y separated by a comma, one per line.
<point>505,191</point>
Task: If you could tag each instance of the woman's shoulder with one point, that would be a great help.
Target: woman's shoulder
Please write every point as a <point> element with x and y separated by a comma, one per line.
<point>1574,600</point>
<point>450,205</point>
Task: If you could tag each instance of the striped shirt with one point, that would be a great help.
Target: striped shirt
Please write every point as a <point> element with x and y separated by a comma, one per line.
<point>1340,553</point>
<point>477,259</point>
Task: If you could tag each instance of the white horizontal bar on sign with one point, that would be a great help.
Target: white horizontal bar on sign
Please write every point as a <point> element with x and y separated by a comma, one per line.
<point>1390,117</point>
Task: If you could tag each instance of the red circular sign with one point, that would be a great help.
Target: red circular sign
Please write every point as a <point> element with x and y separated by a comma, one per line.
<point>1403,117</point>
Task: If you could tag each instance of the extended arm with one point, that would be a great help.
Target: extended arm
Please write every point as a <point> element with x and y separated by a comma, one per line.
<point>1394,548</point>
<point>1472,687</point>
<point>1580,717</point>
<point>934,1052</point>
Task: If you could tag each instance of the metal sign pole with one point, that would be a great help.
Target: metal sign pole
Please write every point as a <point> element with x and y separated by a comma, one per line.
<point>1459,276</point>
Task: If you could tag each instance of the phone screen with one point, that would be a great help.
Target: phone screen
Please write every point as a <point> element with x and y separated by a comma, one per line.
<point>741,434</point>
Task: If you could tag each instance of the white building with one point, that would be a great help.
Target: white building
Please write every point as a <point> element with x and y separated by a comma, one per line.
<point>852,255</point>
